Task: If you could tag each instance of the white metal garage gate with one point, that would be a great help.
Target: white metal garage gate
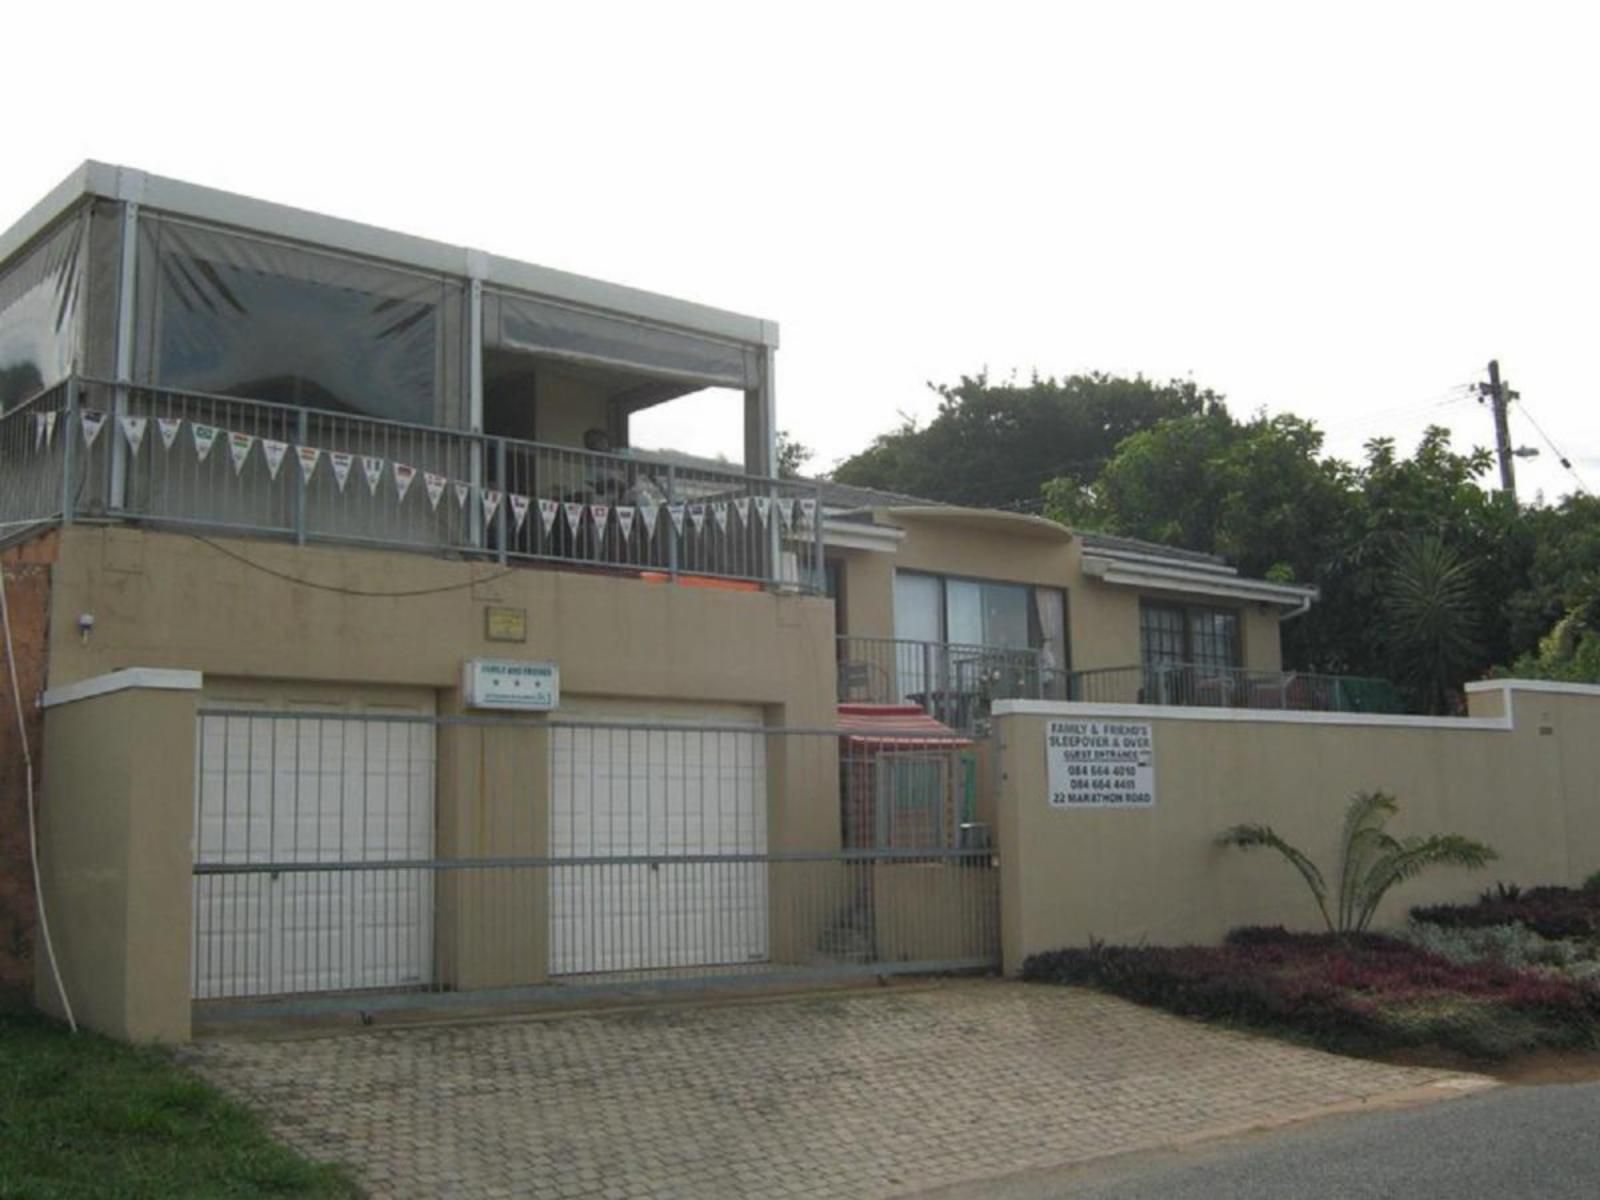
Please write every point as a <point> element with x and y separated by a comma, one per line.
<point>628,843</point>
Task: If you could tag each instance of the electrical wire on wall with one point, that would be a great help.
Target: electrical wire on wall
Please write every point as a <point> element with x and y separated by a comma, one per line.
<point>33,830</point>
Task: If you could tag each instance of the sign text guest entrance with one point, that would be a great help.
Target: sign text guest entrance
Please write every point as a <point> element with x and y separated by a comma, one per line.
<point>1100,764</point>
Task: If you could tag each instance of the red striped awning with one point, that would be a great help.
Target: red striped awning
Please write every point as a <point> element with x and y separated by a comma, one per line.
<point>895,725</point>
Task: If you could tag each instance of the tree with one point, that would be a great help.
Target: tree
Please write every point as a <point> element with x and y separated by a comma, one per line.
<point>993,444</point>
<point>1371,861</point>
<point>792,455</point>
<point>1429,605</point>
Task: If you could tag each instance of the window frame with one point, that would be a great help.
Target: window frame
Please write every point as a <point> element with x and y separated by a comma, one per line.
<point>1186,612</point>
<point>944,579</point>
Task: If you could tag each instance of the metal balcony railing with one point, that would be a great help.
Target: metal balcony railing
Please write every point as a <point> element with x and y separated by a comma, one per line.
<point>1195,685</point>
<point>90,449</point>
<point>954,683</point>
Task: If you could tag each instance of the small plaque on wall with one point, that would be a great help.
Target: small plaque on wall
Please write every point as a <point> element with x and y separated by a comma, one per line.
<point>505,624</point>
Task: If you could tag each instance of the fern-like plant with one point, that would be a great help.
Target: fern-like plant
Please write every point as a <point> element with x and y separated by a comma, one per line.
<point>1371,860</point>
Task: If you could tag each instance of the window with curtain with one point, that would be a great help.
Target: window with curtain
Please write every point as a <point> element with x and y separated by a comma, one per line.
<point>980,612</point>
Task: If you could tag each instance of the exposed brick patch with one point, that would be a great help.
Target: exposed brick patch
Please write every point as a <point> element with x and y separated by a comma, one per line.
<point>26,570</point>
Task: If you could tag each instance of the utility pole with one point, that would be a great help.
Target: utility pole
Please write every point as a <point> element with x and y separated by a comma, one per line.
<point>1500,396</point>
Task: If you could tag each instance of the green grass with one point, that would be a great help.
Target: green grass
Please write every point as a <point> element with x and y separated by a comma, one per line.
<point>81,1116</point>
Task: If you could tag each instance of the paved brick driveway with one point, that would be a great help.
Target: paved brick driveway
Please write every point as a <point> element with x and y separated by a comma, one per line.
<point>855,1095</point>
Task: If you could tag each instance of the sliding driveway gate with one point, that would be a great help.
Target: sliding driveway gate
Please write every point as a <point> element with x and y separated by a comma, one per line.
<point>373,859</point>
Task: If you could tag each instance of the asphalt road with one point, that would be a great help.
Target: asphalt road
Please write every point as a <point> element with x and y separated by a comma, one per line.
<point>1506,1143</point>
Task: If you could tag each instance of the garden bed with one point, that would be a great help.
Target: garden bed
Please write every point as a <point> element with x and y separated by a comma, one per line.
<point>1358,994</point>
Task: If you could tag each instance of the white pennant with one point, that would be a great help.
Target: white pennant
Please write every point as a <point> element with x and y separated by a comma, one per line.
<point>168,428</point>
<point>462,491</point>
<point>93,419</point>
<point>808,509</point>
<point>519,511</point>
<point>403,475</point>
<point>435,485</point>
<point>548,511</point>
<point>675,514</point>
<point>273,451</point>
<point>763,506</point>
<point>239,447</point>
<point>719,513</point>
<point>625,521</point>
<point>38,431</point>
<point>308,456</point>
<point>133,429</point>
<point>600,514</point>
<point>574,516</point>
<point>697,514</point>
<point>786,511</point>
<point>648,511</point>
<point>341,461</point>
<point>491,505</point>
<point>742,507</point>
<point>205,436</point>
<point>372,468</point>
<point>49,429</point>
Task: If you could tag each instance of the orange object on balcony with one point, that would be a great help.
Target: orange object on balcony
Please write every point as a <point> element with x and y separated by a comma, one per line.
<point>702,581</point>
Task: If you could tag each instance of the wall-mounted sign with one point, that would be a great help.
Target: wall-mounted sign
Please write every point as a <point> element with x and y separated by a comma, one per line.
<point>505,624</point>
<point>1100,764</point>
<point>500,683</point>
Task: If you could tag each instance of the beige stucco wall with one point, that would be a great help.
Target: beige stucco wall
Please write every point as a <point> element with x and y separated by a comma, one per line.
<point>1102,619</point>
<point>116,820</point>
<point>1530,787</point>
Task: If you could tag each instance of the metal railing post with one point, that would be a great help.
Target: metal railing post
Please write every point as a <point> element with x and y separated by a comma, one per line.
<point>301,497</point>
<point>500,513</point>
<point>69,435</point>
<point>672,530</point>
<point>820,569</point>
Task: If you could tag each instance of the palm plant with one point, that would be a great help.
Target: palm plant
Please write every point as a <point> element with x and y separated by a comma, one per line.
<point>1371,860</point>
<point>1429,607</point>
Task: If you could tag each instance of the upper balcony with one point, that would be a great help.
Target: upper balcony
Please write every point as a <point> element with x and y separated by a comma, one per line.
<point>94,450</point>
<point>438,397</point>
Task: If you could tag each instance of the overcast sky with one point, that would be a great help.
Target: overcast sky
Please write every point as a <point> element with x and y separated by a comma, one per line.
<point>1342,213</point>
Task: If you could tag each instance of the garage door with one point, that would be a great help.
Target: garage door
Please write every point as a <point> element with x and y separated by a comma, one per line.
<point>655,782</point>
<point>346,779</point>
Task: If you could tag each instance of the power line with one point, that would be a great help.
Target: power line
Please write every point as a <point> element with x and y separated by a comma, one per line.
<point>349,591</point>
<point>1556,450</point>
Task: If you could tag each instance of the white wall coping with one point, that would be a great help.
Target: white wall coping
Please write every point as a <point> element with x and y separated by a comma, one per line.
<point>1260,716</point>
<point>152,678</point>
<point>1535,685</point>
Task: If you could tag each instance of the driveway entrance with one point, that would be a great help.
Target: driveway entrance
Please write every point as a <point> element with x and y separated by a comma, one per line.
<point>856,1094</point>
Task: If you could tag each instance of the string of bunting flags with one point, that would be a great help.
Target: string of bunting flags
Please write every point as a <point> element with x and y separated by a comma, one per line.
<point>791,511</point>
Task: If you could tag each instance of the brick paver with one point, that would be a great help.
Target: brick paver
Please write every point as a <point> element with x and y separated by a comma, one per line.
<point>862,1095</point>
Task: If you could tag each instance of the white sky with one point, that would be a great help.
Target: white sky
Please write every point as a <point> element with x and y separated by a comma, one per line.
<point>1342,213</point>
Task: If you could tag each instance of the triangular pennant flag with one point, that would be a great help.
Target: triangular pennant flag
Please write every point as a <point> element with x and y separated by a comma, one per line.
<point>742,507</point>
<point>49,429</point>
<point>491,504</point>
<point>648,511</point>
<point>93,419</point>
<point>435,485</point>
<point>308,456</point>
<point>574,516</point>
<point>548,511</point>
<point>403,475</point>
<point>239,447</point>
<point>697,514</point>
<point>600,514</point>
<point>372,468</point>
<point>341,461</point>
<point>205,436</point>
<point>763,506</point>
<point>273,451</point>
<point>462,491</point>
<point>808,509</point>
<point>719,513</point>
<point>675,514</point>
<point>625,521</point>
<point>786,510</point>
<point>133,429</point>
<point>168,428</point>
<point>38,430</point>
<point>519,511</point>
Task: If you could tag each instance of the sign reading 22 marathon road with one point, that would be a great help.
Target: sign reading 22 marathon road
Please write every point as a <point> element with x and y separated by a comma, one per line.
<point>1101,764</point>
